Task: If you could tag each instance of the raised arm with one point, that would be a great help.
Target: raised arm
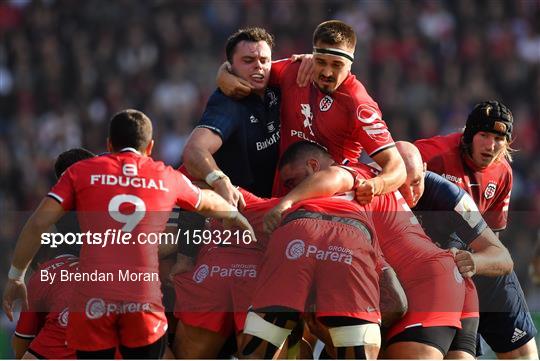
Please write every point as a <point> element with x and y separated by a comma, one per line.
<point>48,213</point>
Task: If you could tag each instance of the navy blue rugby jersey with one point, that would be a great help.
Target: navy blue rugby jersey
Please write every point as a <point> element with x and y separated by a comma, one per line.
<point>448,214</point>
<point>249,129</point>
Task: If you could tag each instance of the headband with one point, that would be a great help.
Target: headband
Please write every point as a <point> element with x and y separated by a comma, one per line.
<point>334,51</point>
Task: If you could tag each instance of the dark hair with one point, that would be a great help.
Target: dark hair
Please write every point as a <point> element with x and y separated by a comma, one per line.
<point>300,150</point>
<point>252,34</point>
<point>335,32</point>
<point>69,157</point>
<point>130,128</point>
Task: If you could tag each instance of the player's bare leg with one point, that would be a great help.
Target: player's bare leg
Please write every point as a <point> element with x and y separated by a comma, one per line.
<point>459,355</point>
<point>529,351</point>
<point>168,354</point>
<point>196,343</point>
<point>266,332</point>
<point>412,350</point>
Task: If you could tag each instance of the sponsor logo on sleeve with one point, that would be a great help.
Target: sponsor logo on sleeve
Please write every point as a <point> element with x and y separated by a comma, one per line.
<point>367,114</point>
<point>63,317</point>
<point>468,210</point>
<point>490,190</point>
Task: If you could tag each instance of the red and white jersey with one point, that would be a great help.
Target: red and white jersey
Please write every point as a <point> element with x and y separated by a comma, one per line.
<point>400,235</point>
<point>490,187</point>
<point>116,195</point>
<point>47,317</point>
<point>345,122</point>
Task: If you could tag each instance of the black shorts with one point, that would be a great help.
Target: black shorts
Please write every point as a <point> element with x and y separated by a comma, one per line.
<point>505,321</point>
<point>465,338</point>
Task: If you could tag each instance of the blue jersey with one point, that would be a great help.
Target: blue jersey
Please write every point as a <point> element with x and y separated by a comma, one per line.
<point>249,129</point>
<point>448,214</point>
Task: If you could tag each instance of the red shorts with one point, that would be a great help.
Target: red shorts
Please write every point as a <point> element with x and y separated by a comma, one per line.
<point>435,293</point>
<point>333,261</point>
<point>107,324</point>
<point>470,307</point>
<point>217,294</point>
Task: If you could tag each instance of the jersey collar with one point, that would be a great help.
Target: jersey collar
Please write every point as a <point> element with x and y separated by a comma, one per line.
<point>129,149</point>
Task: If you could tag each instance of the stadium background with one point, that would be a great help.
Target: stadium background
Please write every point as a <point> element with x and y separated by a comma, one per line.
<point>66,66</point>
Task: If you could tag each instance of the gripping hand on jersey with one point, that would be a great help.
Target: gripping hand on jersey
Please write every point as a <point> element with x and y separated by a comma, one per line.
<point>464,262</point>
<point>305,71</point>
<point>368,189</point>
<point>272,219</point>
<point>14,290</point>
<point>229,192</point>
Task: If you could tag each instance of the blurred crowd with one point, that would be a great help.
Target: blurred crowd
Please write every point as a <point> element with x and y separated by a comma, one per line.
<point>66,66</point>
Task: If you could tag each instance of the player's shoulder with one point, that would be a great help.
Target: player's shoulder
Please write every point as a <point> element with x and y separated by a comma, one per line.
<point>354,90</point>
<point>438,185</point>
<point>158,167</point>
<point>218,98</point>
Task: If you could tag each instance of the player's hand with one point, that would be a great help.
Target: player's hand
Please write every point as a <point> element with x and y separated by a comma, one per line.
<point>14,290</point>
<point>367,190</point>
<point>231,85</point>
<point>229,192</point>
<point>183,264</point>
<point>464,262</point>
<point>273,218</point>
<point>237,220</point>
<point>305,72</point>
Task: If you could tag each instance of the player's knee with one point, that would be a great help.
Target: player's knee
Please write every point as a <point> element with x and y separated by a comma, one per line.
<point>268,328</point>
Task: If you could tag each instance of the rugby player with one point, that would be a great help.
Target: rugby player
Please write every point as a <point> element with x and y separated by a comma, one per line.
<point>127,191</point>
<point>451,219</point>
<point>335,110</point>
<point>477,160</point>
<point>434,287</point>
<point>41,330</point>
<point>226,149</point>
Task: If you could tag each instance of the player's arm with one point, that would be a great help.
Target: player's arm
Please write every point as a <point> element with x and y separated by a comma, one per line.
<point>20,346</point>
<point>238,88</point>
<point>230,84</point>
<point>48,213</point>
<point>489,257</point>
<point>200,163</point>
<point>324,183</point>
<point>391,177</point>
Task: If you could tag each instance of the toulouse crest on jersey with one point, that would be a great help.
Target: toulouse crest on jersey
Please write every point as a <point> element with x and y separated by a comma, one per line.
<point>326,103</point>
<point>490,190</point>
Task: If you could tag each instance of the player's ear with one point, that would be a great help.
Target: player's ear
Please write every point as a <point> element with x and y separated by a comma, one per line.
<point>313,164</point>
<point>149,147</point>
